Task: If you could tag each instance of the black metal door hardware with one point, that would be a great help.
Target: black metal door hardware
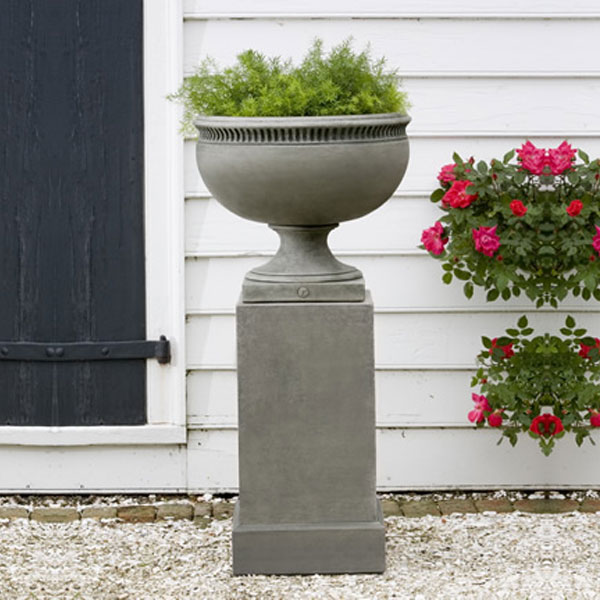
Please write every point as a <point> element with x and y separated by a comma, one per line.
<point>72,351</point>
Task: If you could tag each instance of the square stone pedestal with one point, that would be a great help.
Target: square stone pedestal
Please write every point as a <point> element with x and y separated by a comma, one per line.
<point>307,440</point>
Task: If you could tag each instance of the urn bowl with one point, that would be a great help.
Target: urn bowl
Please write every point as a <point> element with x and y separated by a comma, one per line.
<point>302,170</point>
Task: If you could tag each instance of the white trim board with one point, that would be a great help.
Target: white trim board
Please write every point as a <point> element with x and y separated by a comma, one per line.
<point>163,32</point>
<point>93,469</point>
<point>93,436</point>
<point>389,8</point>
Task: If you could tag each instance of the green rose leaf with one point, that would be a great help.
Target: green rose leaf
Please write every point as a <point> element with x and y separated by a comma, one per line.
<point>502,281</point>
<point>492,295</point>
<point>584,157</point>
<point>457,159</point>
<point>508,157</point>
<point>464,275</point>
<point>437,195</point>
<point>590,282</point>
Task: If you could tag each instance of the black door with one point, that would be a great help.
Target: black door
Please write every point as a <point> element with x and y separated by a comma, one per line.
<point>71,207</point>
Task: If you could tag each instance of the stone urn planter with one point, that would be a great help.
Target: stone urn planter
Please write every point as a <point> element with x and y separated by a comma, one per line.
<point>303,176</point>
<point>305,366</point>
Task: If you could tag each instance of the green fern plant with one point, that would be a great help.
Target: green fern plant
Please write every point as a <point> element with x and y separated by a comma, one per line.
<point>341,82</point>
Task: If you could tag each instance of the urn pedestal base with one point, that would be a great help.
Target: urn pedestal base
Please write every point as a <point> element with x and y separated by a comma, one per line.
<point>304,270</point>
<point>308,548</point>
<point>307,440</point>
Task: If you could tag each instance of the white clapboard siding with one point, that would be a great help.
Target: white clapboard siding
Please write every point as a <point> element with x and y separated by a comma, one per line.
<point>483,76</point>
<point>421,459</point>
<point>401,340</point>
<point>403,283</point>
<point>404,398</point>
<point>388,9</point>
<point>428,153</point>
<point>412,45</point>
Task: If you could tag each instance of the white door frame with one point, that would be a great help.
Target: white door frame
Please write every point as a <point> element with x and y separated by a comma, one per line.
<point>164,240</point>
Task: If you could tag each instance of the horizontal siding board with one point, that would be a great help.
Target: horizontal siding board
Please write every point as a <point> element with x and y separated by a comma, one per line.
<point>426,157</point>
<point>403,398</point>
<point>403,283</point>
<point>396,225</point>
<point>400,339</point>
<point>412,44</point>
<point>318,7</point>
<point>471,459</point>
<point>421,459</point>
<point>94,469</point>
<point>503,105</point>
<point>212,460</point>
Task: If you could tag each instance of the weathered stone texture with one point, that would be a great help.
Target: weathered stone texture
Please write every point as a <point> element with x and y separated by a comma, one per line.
<point>99,512</point>
<point>141,513</point>
<point>420,508</point>
<point>174,511</point>
<point>457,505</point>
<point>54,515</point>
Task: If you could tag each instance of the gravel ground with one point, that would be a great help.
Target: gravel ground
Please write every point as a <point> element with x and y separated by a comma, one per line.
<point>486,556</point>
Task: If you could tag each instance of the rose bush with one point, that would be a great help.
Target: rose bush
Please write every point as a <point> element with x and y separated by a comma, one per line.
<point>545,386</point>
<point>527,224</point>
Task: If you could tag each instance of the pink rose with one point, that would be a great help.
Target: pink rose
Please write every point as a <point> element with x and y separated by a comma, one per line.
<point>584,350</point>
<point>486,240</point>
<point>596,240</point>
<point>446,174</point>
<point>595,418</point>
<point>495,419</point>
<point>546,425</point>
<point>574,208</point>
<point>432,239</point>
<point>508,349</point>
<point>560,159</point>
<point>533,159</point>
<point>481,406</point>
<point>518,208</point>
<point>457,197</point>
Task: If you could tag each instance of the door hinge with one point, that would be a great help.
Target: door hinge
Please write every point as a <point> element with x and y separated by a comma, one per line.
<point>84,351</point>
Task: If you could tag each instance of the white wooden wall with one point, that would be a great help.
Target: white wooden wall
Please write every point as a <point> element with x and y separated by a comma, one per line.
<point>482,77</point>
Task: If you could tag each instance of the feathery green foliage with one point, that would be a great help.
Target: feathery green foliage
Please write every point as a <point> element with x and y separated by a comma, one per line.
<point>339,83</point>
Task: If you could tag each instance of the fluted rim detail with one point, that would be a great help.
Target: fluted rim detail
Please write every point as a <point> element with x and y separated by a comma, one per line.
<point>301,130</point>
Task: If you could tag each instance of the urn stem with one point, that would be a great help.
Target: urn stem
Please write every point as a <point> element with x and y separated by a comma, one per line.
<point>303,268</point>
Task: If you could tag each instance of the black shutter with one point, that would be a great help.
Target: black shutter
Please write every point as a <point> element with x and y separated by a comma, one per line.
<point>71,207</point>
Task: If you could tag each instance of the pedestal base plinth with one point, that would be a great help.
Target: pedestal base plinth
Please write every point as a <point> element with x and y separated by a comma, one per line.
<point>304,548</point>
<point>306,398</point>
